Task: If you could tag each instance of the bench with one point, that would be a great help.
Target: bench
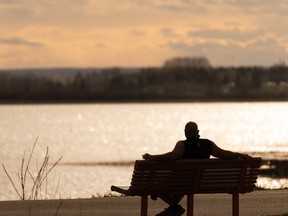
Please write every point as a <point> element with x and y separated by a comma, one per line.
<point>189,177</point>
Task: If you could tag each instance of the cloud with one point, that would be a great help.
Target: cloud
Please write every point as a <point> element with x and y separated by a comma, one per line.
<point>259,52</point>
<point>178,6</point>
<point>278,7</point>
<point>9,1</point>
<point>169,32</point>
<point>268,43</point>
<point>137,33</point>
<point>19,42</point>
<point>189,48</point>
<point>170,5</point>
<point>102,45</point>
<point>227,34</point>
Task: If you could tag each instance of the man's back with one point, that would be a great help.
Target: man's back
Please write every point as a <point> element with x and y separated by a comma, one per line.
<point>196,148</point>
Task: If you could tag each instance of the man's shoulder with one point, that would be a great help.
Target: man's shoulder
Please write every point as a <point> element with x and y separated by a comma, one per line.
<point>180,142</point>
<point>202,140</point>
<point>205,140</point>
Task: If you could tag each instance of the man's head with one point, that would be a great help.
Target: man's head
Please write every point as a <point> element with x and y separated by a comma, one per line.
<point>191,130</point>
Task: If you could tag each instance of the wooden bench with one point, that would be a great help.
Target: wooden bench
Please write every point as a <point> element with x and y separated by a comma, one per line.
<point>189,177</point>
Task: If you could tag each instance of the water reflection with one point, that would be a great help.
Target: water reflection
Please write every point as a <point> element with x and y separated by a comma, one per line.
<point>91,133</point>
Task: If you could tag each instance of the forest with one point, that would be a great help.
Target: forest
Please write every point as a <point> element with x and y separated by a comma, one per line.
<point>180,82</point>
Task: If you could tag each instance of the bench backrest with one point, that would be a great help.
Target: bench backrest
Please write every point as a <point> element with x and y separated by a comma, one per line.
<point>195,176</point>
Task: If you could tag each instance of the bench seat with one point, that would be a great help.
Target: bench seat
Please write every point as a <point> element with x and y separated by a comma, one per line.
<point>189,177</point>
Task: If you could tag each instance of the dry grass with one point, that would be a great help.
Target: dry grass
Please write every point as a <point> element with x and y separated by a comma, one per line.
<point>33,185</point>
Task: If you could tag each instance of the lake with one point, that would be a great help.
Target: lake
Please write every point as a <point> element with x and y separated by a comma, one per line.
<point>99,142</point>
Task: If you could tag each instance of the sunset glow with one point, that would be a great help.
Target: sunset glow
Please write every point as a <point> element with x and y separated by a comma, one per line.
<point>140,33</point>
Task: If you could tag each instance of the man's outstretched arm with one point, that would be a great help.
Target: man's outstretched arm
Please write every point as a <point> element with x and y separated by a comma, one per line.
<point>175,154</point>
<point>224,154</point>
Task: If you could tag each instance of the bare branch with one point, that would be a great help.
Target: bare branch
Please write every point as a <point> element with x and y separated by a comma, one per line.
<point>12,182</point>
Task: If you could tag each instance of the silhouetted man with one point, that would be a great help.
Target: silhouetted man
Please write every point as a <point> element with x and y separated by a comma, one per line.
<point>192,148</point>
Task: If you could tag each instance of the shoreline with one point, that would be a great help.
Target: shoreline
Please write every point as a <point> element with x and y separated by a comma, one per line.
<point>259,202</point>
<point>272,168</point>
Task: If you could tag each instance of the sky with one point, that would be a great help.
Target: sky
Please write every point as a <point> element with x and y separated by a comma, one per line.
<point>141,33</point>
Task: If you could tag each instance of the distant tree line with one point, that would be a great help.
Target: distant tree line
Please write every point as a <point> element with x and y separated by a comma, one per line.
<point>168,83</point>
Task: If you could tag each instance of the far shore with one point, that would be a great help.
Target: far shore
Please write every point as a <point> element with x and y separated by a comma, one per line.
<point>143,101</point>
<point>128,101</point>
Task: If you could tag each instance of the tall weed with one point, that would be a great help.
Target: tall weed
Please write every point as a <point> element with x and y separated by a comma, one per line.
<point>30,185</point>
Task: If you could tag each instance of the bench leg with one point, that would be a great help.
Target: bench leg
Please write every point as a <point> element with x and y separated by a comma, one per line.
<point>235,203</point>
<point>190,204</point>
<point>144,205</point>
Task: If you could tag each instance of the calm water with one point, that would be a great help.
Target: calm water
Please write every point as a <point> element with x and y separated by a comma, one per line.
<point>95,133</point>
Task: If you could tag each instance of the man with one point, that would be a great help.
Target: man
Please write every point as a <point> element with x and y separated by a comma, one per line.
<point>191,148</point>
